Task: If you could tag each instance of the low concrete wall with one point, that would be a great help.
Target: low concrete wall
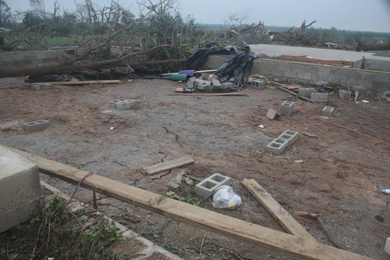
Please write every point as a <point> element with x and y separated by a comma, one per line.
<point>376,82</point>
<point>37,57</point>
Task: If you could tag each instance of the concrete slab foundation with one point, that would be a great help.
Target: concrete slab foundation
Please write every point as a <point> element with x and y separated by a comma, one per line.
<point>19,189</point>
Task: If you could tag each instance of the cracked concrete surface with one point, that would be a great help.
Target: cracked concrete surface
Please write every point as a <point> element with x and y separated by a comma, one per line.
<point>339,177</point>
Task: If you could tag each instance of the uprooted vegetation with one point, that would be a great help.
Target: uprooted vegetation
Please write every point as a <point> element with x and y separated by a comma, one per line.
<point>156,24</point>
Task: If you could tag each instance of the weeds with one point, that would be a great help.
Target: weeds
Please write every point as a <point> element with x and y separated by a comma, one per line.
<point>56,233</point>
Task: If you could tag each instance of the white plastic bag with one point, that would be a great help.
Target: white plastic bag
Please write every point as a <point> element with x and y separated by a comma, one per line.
<point>225,198</point>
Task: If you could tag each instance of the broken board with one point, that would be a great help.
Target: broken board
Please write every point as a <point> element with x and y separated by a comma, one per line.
<point>294,246</point>
<point>81,82</point>
<point>278,212</point>
<point>165,166</point>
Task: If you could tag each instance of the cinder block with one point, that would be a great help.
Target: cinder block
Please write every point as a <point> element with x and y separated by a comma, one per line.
<point>344,94</point>
<point>277,146</point>
<point>271,114</point>
<point>227,85</point>
<point>216,83</point>
<point>122,104</point>
<point>190,84</point>
<point>41,86</point>
<point>328,111</point>
<point>290,136</point>
<point>287,108</point>
<point>208,186</point>
<point>319,97</point>
<point>387,245</point>
<point>203,85</point>
<point>306,92</point>
<point>205,76</point>
<point>35,126</point>
<point>258,83</point>
<point>20,190</point>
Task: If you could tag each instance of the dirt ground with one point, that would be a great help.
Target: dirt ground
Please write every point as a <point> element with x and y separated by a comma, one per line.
<point>339,173</point>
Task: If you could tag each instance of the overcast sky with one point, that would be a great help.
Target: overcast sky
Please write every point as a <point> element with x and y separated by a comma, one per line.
<point>361,15</point>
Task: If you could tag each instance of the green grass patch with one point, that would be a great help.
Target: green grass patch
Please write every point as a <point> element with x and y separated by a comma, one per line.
<point>381,53</point>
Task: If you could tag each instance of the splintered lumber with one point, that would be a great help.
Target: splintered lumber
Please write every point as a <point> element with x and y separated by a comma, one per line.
<point>210,94</point>
<point>278,212</point>
<point>294,246</point>
<point>81,82</point>
<point>165,166</point>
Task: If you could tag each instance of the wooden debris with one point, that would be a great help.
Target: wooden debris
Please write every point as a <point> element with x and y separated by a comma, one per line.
<point>81,82</point>
<point>293,246</point>
<point>304,213</point>
<point>210,94</point>
<point>277,211</point>
<point>165,166</point>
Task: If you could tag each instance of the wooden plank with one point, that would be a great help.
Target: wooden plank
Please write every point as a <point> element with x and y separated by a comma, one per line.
<point>210,94</point>
<point>286,244</point>
<point>278,212</point>
<point>165,166</point>
<point>81,82</point>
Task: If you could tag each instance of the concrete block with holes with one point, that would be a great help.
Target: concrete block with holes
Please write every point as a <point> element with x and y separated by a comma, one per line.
<point>287,108</point>
<point>20,189</point>
<point>328,111</point>
<point>202,84</point>
<point>35,126</point>
<point>290,136</point>
<point>258,83</point>
<point>277,146</point>
<point>344,94</point>
<point>41,86</point>
<point>306,92</point>
<point>319,97</point>
<point>208,186</point>
<point>122,104</point>
<point>216,83</point>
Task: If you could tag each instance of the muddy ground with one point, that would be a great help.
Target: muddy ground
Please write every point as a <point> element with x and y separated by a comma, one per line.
<point>339,173</point>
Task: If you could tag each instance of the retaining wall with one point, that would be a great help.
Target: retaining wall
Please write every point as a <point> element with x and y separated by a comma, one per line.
<point>375,82</point>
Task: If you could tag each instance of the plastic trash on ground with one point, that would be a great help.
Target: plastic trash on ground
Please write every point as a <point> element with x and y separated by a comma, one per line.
<point>225,198</point>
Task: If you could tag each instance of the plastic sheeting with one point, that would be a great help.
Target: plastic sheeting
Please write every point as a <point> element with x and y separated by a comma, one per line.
<point>238,64</point>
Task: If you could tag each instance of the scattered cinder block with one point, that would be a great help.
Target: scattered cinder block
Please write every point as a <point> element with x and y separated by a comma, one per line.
<point>344,94</point>
<point>258,83</point>
<point>287,108</point>
<point>205,76</point>
<point>271,114</point>
<point>277,146</point>
<point>35,126</point>
<point>41,86</point>
<point>190,84</point>
<point>306,92</point>
<point>20,189</point>
<point>387,245</point>
<point>202,84</point>
<point>328,111</point>
<point>227,85</point>
<point>216,83</point>
<point>290,136</point>
<point>319,97</point>
<point>122,104</point>
<point>208,186</point>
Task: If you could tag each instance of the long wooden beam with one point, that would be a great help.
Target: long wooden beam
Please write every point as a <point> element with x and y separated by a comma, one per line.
<point>284,243</point>
<point>278,212</point>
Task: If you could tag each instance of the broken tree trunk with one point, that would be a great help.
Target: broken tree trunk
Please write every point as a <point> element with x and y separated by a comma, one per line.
<point>370,46</point>
<point>296,247</point>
